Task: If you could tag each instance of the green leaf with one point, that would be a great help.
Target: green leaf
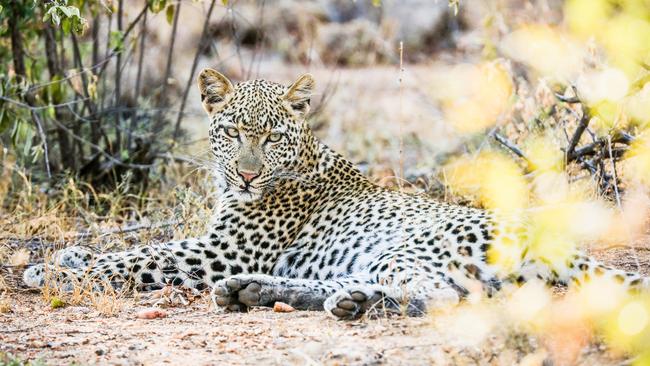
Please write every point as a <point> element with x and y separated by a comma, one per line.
<point>56,19</point>
<point>56,302</point>
<point>157,5</point>
<point>4,122</point>
<point>20,133</point>
<point>68,11</point>
<point>376,3</point>
<point>79,25</point>
<point>66,25</point>
<point>15,132</point>
<point>169,13</point>
<point>37,152</point>
<point>1,8</point>
<point>29,137</point>
<point>117,41</point>
<point>56,90</point>
<point>50,112</point>
<point>224,2</point>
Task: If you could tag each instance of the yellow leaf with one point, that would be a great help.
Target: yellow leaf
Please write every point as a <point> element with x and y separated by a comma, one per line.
<point>474,96</point>
<point>637,162</point>
<point>548,51</point>
<point>586,18</point>
<point>495,180</point>
<point>56,302</point>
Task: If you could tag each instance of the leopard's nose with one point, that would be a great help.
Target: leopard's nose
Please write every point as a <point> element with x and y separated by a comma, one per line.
<point>247,175</point>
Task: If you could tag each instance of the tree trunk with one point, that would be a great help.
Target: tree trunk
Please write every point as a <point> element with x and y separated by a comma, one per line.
<point>54,68</point>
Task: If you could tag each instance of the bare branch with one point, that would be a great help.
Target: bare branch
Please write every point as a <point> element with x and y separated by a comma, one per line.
<point>46,150</point>
<point>41,107</point>
<point>571,100</point>
<point>509,145</point>
<point>203,43</point>
<point>128,30</point>
<point>591,149</point>
<point>613,161</point>
<point>138,78</point>
<point>100,150</point>
<point>118,78</point>
<point>575,139</point>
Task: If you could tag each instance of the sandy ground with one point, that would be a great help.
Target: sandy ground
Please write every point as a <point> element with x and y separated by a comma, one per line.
<point>198,335</point>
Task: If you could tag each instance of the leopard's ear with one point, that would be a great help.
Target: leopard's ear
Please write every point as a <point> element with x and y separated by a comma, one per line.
<point>216,90</point>
<point>298,95</point>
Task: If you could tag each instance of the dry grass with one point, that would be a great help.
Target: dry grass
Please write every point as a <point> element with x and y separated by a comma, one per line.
<point>40,219</point>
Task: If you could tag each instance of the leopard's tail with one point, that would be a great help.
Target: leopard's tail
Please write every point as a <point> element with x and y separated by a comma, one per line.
<point>75,266</point>
<point>576,271</point>
<point>581,268</point>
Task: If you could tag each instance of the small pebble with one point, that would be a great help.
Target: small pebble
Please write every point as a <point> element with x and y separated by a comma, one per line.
<point>280,307</point>
<point>151,313</point>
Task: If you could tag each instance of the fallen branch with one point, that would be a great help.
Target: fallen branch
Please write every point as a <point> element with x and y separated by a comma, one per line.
<point>591,149</point>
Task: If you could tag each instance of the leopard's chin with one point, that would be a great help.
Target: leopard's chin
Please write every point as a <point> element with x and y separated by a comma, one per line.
<point>247,194</point>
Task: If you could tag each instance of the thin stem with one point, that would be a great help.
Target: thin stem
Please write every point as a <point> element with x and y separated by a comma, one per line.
<point>94,130</point>
<point>168,70</point>
<point>582,126</point>
<point>615,176</point>
<point>118,77</point>
<point>40,107</point>
<point>125,34</point>
<point>509,145</point>
<point>46,150</point>
<point>203,43</point>
<point>138,78</point>
<point>100,150</point>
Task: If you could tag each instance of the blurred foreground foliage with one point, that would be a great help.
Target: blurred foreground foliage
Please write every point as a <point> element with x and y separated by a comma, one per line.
<point>568,110</point>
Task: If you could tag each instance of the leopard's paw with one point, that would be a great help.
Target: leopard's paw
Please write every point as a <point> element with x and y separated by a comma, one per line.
<point>353,302</point>
<point>240,292</point>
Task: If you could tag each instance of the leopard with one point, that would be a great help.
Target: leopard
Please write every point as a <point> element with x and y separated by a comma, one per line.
<point>296,222</point>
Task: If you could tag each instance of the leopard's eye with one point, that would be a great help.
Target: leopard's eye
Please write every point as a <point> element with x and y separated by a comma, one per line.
<point>275,137</point>
<point>232,132</point>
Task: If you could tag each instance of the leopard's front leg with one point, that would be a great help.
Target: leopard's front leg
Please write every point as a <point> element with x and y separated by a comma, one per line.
<point>240,292</point>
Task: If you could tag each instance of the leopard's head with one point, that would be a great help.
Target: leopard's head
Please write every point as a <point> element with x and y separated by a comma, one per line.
<point>256,129</point>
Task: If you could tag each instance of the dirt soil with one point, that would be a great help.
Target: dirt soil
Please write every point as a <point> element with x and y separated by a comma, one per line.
<point>198,335</point>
